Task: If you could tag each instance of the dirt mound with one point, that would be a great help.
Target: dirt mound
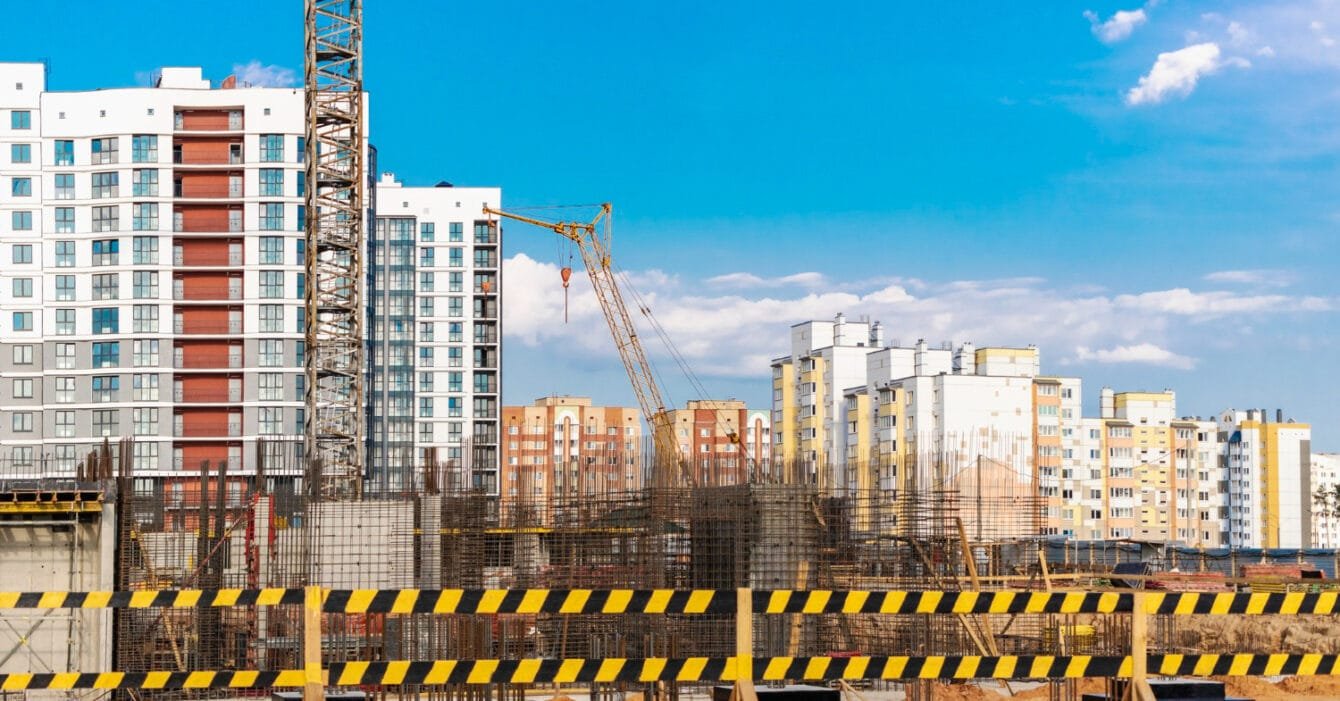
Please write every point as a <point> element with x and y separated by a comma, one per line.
<point>1251,687</point>
<point>961,692</point>
<point>1312,686</point>
<point>1290,634</point>
<point>1085,686</point>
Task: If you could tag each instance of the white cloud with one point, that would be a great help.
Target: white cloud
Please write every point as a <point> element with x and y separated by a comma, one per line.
<point>1117,27</point>
<point>1238,34</point>
<point>1144,353</point>
<point>1266,277</point>
<point>1265,51</point>
<point>256,75</point>
<point>1177,72</point>
<point>750,280</point>
<point>734,332</point>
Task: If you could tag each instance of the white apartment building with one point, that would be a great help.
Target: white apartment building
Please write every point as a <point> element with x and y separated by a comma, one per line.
<point>152,285</point>
<point>1325,500</point>
<point>1269,474</point>
<point>434,337</point>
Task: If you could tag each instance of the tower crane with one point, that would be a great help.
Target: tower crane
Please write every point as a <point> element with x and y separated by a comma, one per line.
<point>669,468</point>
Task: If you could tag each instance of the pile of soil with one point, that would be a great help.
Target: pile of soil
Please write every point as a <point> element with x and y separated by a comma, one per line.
<point>1280,634</point>
<point>962,692</point>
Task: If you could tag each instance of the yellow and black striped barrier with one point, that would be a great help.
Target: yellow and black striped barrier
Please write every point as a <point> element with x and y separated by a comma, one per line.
<point>691,669</point>
<point>694,601</point>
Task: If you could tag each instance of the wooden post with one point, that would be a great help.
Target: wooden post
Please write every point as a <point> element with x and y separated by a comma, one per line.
<point>1139,689</point>
<point>313,687</point>
<point>744,646</point>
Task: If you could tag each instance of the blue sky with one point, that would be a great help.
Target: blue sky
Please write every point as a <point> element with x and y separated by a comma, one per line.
<point>1148,192</point>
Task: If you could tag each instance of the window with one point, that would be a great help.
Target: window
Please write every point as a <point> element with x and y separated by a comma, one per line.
<point>272,216</point>
<point>272,148</point>
<point>456,231</point>
<point>271,420</point>
<point>64,424</point>
<point>271,387</point>
<point>145,318</point>
<point>145,249</point>
<point>272,250</point>
<point>146,421</point>
<point>272,284</point>
<point>20,119</point>
<point>145,216</point>
<point>20,153</point>
<point>106,388</point>
<point>272,182</point>
<point>301,155</point>
<point>23,354</point>
<point>144,148</point>
<point>107,355</point>
<point>144,388</point>
<point>302,183</point>
<point>144,182</point>
<point>271,353</point>
<point>22,422</point>
<point>64,356</point>
<point>302,218</point>
<point>106,185</point>
<point>426,256</point>
<point>457,257</point>
<point>64,322</point>
<point>64,390</point>
<point>64,153</point>
<point>425,357</point>
<point>146,284</point>
<point>23,321</point>
<point>302,286</point>
<point>455,406</point>
<point>22,253</point>
<point>23,388</point>
<point>299,349</point>
<point>455,306</point>
<point>426,282</point>
<point>21,187</point>
<point>23,287</point>
<point>105,286</point>
<point>106,320</point>
<point>425,382</point>
<point>146,353</point>
<point>426,306</point>
<point>21,221</point>
<point>106,218</point>
<point>272,318</point>
<point>104,151</point>
<point>65,457</point>
<point>426,407</point>
<point>65,220</point>
<point>455,357</point>
<point>105,422</point>
<point>64,186</point>
<point>426,231</point>
<point>454,381</point>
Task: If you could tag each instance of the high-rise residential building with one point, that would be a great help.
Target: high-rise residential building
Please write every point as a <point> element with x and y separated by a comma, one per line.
<point>723,441</point>
<point>1269,496</point>
<point>152,241</point>
<point>564,446</point>
<point>1325,500</point>
<point>434,338</point>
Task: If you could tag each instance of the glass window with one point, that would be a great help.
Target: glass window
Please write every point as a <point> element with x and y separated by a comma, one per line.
<point>146,421</point>
<point>21,221</point>
<point>426,282</point>
<point>426,256</point>
<point>454,357</point>
<point>272,250</point>
<point>106,286</point>
<point>23,321</point>
<point>454,334</point>
<point>65,253</point>
<point>145,455</point>
<point>64,152</point>
<point>23,388</point>
<point>271,353</point>
<point>106,251</point>
<point>64,288</point>
<point>106,388</point>
<point>425,357</point>
<point>64,424</point>
<point>105,422</point>
<point>107,218</point>
<point>145,318</point>
<point>64,390</point>
<point>271,420</point>
<point>23,354</point>
<point>20,153</point>
<point>64,322</point>
<point>302,218</point>
<point>456,231</point>
<point>457,257</point>
<point>23,421</point>
<point>426,407</point>
<point>64,186</point>
<point>302,285</point>
<point>145,353</point>
<point>272,284</point>
<point>425,382</point>
<point>144,148</point>
<point>455,306</point>
<point>104,151</point>
<point>144,182</point>
<point>65,220</point>
<point>21,187</point>
<point>272,182</point>
<point>144,388</point>
<point>426,231</point>
<point>271,386</point>
<point>302,184</point>
<point>272,216</point>
<point>22,253</point>
<point>455,282</point>
<point>20,119</point>
<point>146,284</point>
<point>272,148</point>
<point>23,287</point>
<point>64,356</point>
<point>106,320</point>
<point>272,318</point>
<point>454,382</point>
<point>107,355</point>
<point>145,250</point>
<point>146,216</point>
<point>425,306</point>
<point>106,185</point>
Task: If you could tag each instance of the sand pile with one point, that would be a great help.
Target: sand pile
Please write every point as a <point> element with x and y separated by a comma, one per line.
<point>1276,634</point>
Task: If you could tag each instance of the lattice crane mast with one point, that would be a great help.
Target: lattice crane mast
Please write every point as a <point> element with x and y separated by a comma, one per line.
<point>593,240</point>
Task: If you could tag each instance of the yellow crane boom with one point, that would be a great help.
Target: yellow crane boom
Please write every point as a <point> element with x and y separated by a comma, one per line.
<point>593,240</point>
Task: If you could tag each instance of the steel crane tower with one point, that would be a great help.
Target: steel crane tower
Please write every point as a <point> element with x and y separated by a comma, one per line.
<point>335,236</point>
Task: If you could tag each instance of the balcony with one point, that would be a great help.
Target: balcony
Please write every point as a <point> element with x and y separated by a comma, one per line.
<point>484,437</point>
<point>490,337</point>
<point>206,258</point>
<point>179,464</point>
<point>232,158</point>
<point>232,429</point>
<point>231,326</point>
<point>211,361</point>
<point>206,190</point>
<point>207,396</point>
<point>207,292</point>
<point>232,225</point>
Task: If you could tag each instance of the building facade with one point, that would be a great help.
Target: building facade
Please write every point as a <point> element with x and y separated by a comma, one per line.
<point>1325,500</point>
<point>1269,474</point>
<point>564,446</point>
<point>724,441</point>
<point>434,293</point>
<point>154,272</point>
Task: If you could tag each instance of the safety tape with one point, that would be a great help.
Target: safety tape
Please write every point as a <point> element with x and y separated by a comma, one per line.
<point>694,601</point>
<point>692,669</point>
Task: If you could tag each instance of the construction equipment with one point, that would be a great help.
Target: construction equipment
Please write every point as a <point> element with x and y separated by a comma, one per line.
<point>669,468</point>
<point>335,233</point>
